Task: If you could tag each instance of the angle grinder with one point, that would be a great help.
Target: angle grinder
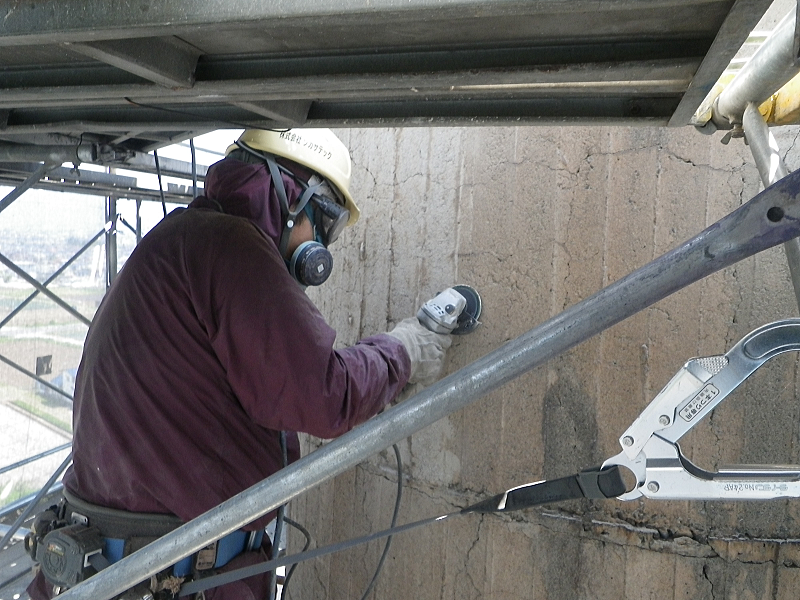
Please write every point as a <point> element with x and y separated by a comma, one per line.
<point>455,310</point>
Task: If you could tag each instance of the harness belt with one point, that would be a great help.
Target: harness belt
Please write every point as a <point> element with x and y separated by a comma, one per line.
<point>126,532</point>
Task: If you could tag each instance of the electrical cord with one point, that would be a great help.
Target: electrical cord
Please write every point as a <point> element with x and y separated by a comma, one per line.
<point>194,168</point>
<point>279,519</point>
<point>202,119</point>
<point>386,547</point>
<point>160,187</point>
<point>394,522</point>
<point>307,535</point>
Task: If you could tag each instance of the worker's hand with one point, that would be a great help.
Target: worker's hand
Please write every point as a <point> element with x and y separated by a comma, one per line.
<point>425,348</point>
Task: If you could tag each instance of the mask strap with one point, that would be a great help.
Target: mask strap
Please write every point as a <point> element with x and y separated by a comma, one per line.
<point>289,216</point>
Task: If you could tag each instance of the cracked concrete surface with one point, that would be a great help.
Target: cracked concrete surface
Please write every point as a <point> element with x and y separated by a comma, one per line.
<point>538,219</point>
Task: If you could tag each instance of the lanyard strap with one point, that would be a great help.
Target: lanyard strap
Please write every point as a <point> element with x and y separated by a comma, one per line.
<point>200,585</point>
<point>591,483</point>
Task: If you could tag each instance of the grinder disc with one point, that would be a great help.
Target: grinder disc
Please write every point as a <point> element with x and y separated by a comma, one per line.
<point>468,319</point>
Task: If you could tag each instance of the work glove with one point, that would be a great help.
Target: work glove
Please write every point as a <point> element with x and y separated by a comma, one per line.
<point>425,348</point>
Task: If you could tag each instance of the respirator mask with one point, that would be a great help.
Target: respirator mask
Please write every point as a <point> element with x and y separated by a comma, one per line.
<point>311,263</point>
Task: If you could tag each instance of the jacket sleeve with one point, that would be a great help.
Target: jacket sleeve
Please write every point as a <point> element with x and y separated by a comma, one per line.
<point>277,350</point>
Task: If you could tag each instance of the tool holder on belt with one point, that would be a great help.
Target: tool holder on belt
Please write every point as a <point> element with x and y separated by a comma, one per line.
<point>76,539</point>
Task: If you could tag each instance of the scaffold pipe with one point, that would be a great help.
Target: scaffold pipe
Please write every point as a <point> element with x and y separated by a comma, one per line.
<point>772,66</point>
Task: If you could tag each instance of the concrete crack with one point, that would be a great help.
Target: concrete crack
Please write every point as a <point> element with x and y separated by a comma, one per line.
<point>709,580</point>
<point>469,553</point>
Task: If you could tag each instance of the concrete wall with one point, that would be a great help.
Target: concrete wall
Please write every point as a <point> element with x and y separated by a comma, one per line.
<point>538,219</point>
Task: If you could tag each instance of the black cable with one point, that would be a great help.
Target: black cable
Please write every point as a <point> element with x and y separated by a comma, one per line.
<point>279,519</point>
<point>160,187</point>
<point>307,535</point>
<point>203,119</point>
<point>386,547</point>
<point>194,168</point>
<point>394,522</point>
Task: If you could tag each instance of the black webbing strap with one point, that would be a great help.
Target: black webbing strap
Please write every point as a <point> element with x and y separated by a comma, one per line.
<point>591,483</point>
<point>200,585</point>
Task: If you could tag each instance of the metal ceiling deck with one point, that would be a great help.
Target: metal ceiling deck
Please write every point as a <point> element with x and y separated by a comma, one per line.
<point>144,73</point>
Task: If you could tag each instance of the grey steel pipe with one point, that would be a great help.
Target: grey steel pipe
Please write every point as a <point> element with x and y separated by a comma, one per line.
<point>34,458</point>
<point>773,65</point>
<point>762,144</point>
<point>51,155</point>
<point>769,219</point>
<point>771,168</point>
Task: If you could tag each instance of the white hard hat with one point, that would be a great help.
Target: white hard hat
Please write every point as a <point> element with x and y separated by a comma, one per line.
<point>318,149</point>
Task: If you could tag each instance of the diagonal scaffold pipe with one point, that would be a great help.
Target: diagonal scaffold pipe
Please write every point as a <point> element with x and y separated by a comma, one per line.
<point>767,220</point>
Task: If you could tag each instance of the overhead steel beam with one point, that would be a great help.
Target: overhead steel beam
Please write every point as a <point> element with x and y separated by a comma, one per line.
<point>96,154</point>
<point>619,110</point>
<point>288,82</point>
<point>74,175</point>
<point>56,21</point>
<point>169,167</point>
<point>134,193</point>
<point>166,61</point>
<point>294,113</point>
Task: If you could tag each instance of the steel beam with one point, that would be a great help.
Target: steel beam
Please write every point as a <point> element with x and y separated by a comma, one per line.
<point>135,193</point>
<point>584,109</point>
<point>57,21</point>
<point>167,61</point>
<point>330,78</point>
<point>769,219</point>
<point>294,113</point>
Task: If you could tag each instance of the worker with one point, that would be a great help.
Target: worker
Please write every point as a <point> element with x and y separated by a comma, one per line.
<point>206,348</point>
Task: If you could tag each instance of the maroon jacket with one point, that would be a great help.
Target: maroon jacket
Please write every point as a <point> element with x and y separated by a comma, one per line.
<point>203,350</point>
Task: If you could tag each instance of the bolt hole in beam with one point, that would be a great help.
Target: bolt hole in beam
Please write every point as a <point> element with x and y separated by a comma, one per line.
<point>775,214</point>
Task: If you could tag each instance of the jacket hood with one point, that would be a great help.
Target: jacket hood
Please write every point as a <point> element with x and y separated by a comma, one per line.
<point>246,190</point>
